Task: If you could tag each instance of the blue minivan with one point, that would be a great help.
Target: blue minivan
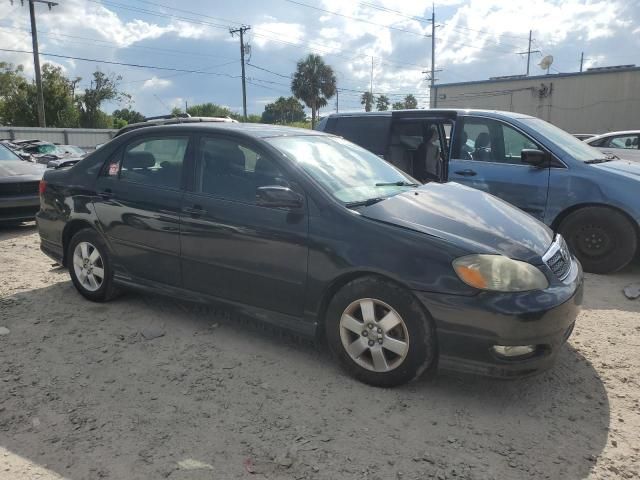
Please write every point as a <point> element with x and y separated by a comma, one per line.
<point>591,199</point>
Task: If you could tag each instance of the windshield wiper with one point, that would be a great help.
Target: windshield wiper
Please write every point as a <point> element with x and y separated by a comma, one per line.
<point>600,160</point>
<point>365,203</point>
<point>399,183</point>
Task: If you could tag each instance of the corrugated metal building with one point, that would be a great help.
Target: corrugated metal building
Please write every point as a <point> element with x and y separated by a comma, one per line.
<point>595,101</point>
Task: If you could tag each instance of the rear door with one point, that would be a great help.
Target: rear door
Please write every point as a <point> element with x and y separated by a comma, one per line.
<point>486,156</point>
<point>140,191</point>
<point>232,248</point>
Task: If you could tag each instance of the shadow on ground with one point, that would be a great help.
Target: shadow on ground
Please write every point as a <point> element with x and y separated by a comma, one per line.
<point>84,393</point>
<point>8,232</point>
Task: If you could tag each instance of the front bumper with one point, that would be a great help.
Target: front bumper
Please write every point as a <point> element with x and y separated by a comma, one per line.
<point>469,327</point>
<point>16,208</point>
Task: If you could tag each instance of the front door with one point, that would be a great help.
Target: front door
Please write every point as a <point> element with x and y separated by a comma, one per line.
<point>139,207</point>
<point>486,156</point>
<point>232,248</point>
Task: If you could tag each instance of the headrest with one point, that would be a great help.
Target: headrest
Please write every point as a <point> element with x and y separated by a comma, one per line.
<point>482,140</point>
<point>139,160</point>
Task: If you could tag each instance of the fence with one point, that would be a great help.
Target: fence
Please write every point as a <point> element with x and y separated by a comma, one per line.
<point>86,138</point>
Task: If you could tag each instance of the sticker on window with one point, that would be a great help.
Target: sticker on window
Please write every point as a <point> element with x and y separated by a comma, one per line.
<point>113,169</point>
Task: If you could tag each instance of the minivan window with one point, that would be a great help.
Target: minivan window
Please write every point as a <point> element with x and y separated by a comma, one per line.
<point>348,172</point>
<point>487,140</point>
<point>578,149</point>
<point>370,131</point>
<point>153,161</point>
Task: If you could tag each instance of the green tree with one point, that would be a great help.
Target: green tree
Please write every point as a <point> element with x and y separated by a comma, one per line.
<point>18,98</point>
<point>127,115</point>
<point>410,102</point>
<point>104,88</point>
<point>314,83</point>
<point>211,110</point>
<point>367,100</point>
<point>254,118</point>
<point>284,110</point>
<point>398,106</point>
<point>382,103</point>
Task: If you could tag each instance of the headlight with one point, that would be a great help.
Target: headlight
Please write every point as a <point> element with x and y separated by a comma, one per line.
<point>499,273</point>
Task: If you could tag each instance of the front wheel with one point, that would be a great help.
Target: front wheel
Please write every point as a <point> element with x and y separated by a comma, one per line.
<point>379,333</point>
<point>603,239</point>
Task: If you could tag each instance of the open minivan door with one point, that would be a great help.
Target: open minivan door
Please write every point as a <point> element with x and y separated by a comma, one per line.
<point>419,143</point>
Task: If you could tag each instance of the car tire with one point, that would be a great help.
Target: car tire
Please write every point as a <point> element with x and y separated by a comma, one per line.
<point>368,321</point>
<point>90,267</point>
<point>603,239</point>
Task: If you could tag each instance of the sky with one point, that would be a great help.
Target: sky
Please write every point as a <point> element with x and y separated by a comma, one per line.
<point>384,41</point>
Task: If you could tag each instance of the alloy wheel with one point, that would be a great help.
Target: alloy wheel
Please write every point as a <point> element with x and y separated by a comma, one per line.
<point>88,266</point>
<point>374,335</point>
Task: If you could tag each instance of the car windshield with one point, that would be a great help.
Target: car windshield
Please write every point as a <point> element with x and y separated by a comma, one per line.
<point>349,173</point>
<point>570,144</point>
<point>6,154</point>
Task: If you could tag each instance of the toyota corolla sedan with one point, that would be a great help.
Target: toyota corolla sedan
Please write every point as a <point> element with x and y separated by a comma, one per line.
<point>310,232</point>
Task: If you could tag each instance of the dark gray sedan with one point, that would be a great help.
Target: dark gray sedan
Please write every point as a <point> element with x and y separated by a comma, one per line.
<point>19,182</point>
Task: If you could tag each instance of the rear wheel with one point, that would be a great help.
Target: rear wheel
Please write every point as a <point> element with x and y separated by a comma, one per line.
<point>379,333</point>
<point>89,266</point>
<point>603,239</point>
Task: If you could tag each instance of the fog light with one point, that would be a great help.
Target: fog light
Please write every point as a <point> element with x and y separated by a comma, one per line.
<point>514,350</point>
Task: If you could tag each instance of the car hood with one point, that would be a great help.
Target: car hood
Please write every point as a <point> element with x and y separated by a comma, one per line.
<point>474,220</point>
<point>626,168</point>
<point>12,170</point>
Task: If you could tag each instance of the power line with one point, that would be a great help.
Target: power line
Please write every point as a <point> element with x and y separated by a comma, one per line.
<point>362,20</point>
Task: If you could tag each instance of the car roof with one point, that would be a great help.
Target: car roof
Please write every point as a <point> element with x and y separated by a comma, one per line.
<point>256,130</point>
<point>611,134</point>
<point>436,112</point>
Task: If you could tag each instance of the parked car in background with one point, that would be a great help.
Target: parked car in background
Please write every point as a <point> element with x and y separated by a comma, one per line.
<point>19,182</point>
<point>623,145</point>
<point>578,191</point>
<point>70,151</point>
<point>584,136</point>
<point>313,233</point>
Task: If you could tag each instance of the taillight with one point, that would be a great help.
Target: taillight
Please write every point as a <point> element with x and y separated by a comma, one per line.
<point>42,186</point>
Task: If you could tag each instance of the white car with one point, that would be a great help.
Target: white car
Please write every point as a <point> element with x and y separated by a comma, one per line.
<point>624,145</point>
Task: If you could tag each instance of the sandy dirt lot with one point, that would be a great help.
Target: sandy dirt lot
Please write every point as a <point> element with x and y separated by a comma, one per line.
<point>84,395</point>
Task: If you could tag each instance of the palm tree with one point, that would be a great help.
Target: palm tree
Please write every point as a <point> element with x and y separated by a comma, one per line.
<point>367,100</point>
<point>382,103</point>
<point>314,83</point>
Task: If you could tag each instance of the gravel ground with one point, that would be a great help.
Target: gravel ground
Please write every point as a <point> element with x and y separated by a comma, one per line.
<point>86,392</point>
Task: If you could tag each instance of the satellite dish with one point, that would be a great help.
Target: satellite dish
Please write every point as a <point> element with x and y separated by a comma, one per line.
<point>546,62</point>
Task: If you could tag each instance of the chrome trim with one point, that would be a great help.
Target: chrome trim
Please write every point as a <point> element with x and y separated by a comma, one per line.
<point>559,245</point>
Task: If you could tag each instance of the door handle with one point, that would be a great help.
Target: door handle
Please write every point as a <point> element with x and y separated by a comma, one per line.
<point>466,173</point>
<point>106,193</point>
<point>194,211</point>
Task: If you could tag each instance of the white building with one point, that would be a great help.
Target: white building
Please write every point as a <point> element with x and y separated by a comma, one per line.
<point>595,101</point>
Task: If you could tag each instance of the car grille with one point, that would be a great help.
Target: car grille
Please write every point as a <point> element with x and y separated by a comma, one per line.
<point>22,188</point>
<point>558,258</point>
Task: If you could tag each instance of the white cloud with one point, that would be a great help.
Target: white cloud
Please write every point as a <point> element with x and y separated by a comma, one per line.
<point>156,83</point>
<point>291,32</point>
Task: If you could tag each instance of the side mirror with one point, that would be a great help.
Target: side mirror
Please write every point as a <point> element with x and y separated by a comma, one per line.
<point>536,158</point>
<point>276,196</point>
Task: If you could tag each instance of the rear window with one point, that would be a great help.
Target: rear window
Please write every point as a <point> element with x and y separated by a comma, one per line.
<point>370,132</point>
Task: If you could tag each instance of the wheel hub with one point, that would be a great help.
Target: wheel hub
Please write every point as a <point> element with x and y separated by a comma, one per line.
<point>374,335</point>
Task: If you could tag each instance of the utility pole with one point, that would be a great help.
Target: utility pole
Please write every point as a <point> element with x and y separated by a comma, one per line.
<point>581,60</point>
<point>529,52</point>
<point>337,100</point>
<point>371,85</point>
<point>36,55</point>
<point>241,31</point>
<point>433,102</point>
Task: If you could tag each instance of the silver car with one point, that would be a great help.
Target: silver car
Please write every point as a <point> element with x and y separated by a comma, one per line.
<point>624,145</point>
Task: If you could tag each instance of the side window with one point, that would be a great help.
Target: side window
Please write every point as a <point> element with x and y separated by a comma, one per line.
<point>370,131</point>
<point>153,161</point>
<point>622,141</point>
<point>233,171</point>
<point>488,140</point>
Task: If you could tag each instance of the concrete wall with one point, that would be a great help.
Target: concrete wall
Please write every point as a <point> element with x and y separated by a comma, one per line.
<point>589,102</point>
<point>82,137</point>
